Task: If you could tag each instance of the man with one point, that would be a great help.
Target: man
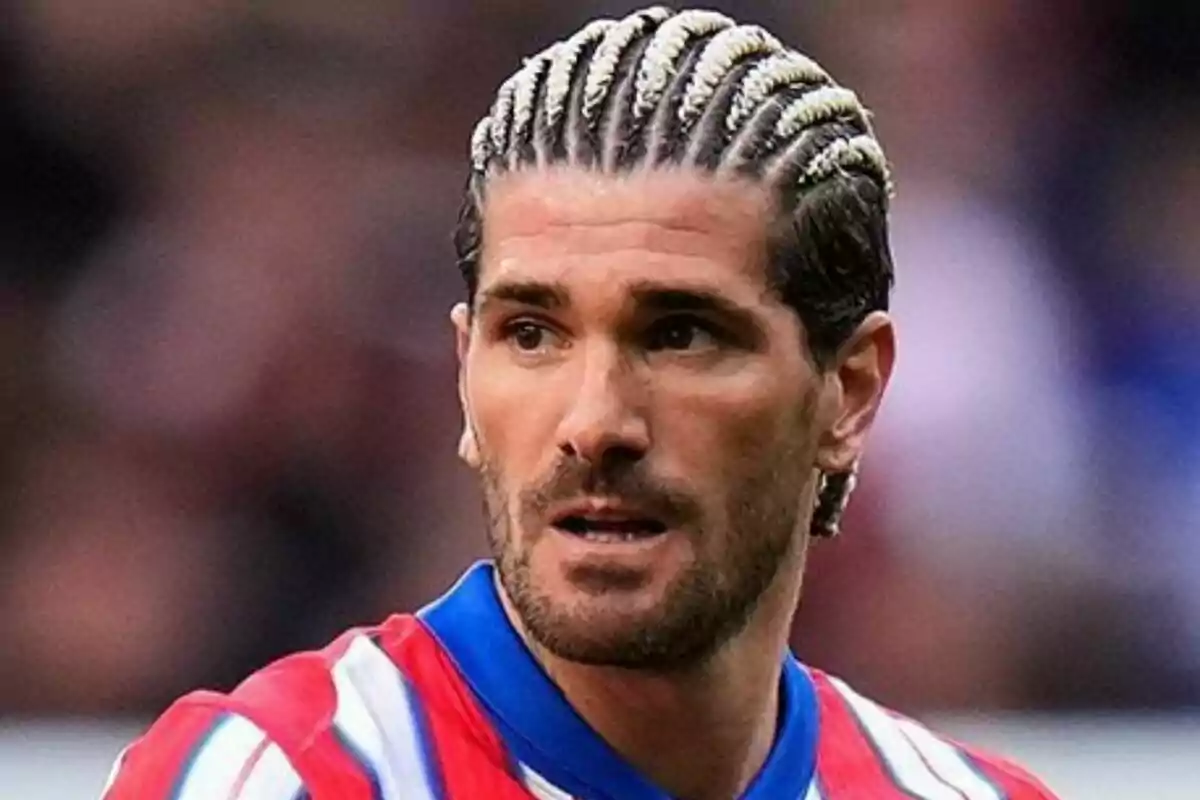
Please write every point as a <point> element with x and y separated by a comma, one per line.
<point>675,342</point>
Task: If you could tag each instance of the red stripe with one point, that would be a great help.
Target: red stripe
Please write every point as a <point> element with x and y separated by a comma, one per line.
<point>248,767</point>
<point>469,753</point>
<point>848,765</point>
<point>153,764</point>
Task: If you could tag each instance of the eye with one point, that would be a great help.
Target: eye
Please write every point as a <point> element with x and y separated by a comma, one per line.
<point>682,333</point>
<point>528,336</point>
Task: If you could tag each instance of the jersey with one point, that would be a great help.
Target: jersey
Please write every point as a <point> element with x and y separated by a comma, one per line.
<point>449,704</point>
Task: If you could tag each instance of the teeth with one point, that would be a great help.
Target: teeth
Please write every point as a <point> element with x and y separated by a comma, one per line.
<point>609,536</point>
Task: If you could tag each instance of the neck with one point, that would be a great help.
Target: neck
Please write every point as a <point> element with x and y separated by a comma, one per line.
<point>712,726</point>
<point>711,730</point>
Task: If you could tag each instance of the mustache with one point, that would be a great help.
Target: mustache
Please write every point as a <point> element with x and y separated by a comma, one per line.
<point>574,478</point>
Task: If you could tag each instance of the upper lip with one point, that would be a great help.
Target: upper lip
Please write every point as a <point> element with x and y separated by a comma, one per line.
<point>600,508</point>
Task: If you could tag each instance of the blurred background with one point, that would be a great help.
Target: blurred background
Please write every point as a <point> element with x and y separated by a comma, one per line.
<point>227,407</point>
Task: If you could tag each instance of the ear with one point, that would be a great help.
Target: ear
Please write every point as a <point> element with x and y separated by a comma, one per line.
<point>854,391</point>
<point>468,444</point>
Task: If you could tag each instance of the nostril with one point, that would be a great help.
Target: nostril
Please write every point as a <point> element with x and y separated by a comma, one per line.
<point>612,455</point>
<point>621,455</point>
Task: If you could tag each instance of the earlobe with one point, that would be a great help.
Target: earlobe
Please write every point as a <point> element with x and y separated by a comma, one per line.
<point>468,446</point>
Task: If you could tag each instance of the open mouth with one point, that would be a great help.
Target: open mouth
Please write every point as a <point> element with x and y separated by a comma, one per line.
<point>610,528</point>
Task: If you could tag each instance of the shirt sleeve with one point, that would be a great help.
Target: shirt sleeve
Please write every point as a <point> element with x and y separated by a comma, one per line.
<point>200,753</point>
<point>1017,782</point>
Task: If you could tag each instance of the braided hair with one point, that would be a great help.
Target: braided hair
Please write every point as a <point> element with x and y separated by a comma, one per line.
<point>694,89</point>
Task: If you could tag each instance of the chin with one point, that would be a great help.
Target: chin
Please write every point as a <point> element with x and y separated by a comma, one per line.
<point>607,637</point>
<point>614,618</point>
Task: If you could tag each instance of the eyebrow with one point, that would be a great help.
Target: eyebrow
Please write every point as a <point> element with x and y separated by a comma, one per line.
<point>527,293</point>
<point>654,296</point>
<point>647,295</point>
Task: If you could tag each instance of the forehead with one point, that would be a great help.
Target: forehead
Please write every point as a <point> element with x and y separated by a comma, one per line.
<point>571,225</point>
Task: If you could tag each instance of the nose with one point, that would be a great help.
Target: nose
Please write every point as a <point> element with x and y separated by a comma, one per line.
<point>605,421</point>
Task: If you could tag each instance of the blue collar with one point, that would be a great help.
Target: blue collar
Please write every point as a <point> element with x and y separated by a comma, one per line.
<point>543,731</point>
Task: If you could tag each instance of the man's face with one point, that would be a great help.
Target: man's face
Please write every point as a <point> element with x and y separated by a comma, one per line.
<point>644,413</point>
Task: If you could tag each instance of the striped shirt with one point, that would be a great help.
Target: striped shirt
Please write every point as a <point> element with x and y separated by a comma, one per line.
<point>450,705</point>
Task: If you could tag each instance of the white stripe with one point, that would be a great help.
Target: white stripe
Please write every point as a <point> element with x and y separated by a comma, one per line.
<point>377,715</point>
<point>948,762</point>
<point>216,767</point>
<point>272,777</point>
<point>540,787</point>
<point>898,753</point>
<point>814,791</point>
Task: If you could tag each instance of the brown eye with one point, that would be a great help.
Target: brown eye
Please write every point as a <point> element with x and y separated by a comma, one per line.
<point>528,336</point>
<point>680,333</point>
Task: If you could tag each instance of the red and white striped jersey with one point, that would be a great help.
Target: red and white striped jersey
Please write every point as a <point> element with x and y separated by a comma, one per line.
<point>448,704</point>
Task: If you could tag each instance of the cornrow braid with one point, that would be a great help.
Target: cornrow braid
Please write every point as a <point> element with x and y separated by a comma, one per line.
<point>560,93</point>
<point>833,493</point>
<point>698,90</point>
<point>671,61</point>
<point>713,86</point>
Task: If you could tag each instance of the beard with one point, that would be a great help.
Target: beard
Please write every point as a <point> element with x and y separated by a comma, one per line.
<point>738,551</point>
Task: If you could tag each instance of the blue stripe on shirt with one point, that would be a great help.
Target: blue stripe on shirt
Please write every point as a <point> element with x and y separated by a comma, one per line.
<point>361,759</point>
<point>420,722</point>
<point>197,749</point>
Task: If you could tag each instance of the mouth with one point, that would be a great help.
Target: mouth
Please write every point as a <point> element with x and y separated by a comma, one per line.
<point>609,525</point>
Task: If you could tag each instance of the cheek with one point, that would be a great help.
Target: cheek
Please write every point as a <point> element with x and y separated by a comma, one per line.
<point>743,449</point>
<point>725,423</point>
<point>514,420</point>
